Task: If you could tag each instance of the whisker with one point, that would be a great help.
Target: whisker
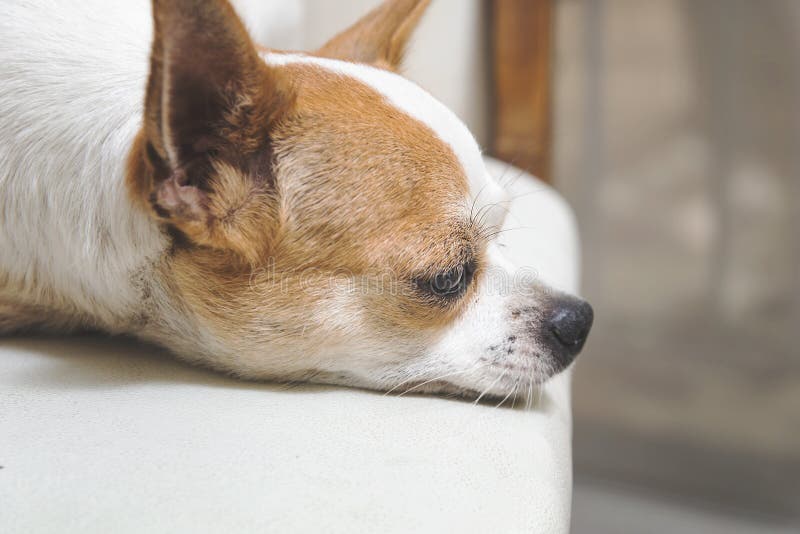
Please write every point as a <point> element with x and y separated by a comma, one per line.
<point>492,235</point>
<point>479,218</point>
<point>508,394</point>
<point>503,176</point>
<point>455,373</point>
<point>536,191</point>
<point>530,393</point>
<point>513,181</point>
<point>485,391</point>
<point>475,200</point>
<point>406,381</point>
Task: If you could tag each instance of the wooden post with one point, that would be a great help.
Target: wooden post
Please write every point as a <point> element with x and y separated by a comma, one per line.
<point>522,32</point>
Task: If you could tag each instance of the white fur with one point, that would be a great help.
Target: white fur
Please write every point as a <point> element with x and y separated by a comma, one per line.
<point>70,106</point>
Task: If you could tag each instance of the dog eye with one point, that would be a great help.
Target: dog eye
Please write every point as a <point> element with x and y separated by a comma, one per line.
<point>451,283</point>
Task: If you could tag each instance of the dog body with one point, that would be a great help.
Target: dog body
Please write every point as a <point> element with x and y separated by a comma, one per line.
<point>75,251</point>
<point>237,205</point>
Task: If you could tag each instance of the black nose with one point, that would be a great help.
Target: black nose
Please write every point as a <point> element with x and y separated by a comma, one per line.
<point>570,322</point>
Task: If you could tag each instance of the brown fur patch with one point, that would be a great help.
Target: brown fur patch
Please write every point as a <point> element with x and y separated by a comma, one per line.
<point>357,174</point>
<point>21,318</point>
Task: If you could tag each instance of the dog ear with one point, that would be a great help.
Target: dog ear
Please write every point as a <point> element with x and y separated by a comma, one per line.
<point>209,107</point>
<point>380,37</point>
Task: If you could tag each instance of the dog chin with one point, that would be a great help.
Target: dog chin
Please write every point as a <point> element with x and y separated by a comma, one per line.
<point>505,384</point>
<point>522,391</point>
<point>509,383</point>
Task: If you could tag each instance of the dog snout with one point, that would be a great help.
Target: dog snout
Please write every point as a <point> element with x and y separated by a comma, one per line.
<point>570,320</point>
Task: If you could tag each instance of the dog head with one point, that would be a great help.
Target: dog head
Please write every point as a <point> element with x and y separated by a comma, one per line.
<point>330,220</point>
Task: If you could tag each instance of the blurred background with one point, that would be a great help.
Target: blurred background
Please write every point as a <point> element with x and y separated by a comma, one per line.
<point>677,141</point>
<point>673,128</point>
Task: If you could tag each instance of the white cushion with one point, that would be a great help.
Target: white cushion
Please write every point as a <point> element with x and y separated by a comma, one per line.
<point>111,436</point>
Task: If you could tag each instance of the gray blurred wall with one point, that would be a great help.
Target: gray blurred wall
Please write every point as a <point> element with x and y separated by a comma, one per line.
<point>678,143</point>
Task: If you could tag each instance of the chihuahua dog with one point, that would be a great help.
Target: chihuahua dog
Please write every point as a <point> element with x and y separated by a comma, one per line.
<point>274,215</point>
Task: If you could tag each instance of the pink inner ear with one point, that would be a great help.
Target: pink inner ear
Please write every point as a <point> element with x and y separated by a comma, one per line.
<point>181,201</point>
